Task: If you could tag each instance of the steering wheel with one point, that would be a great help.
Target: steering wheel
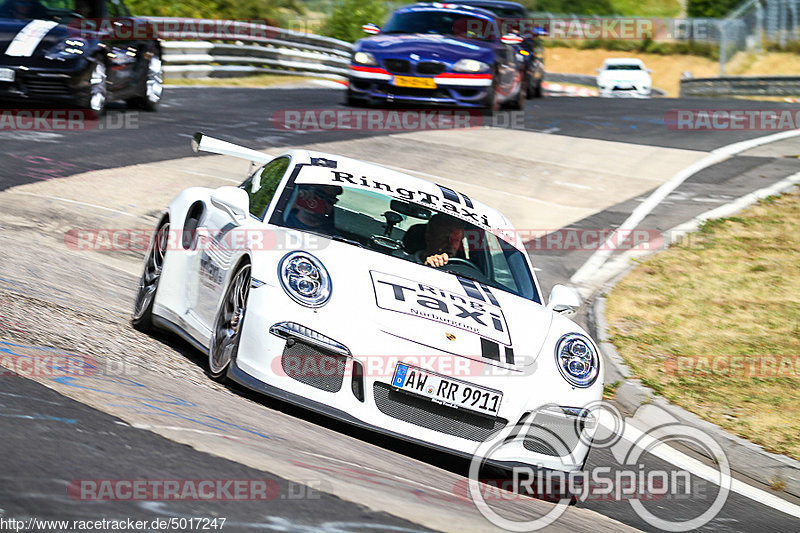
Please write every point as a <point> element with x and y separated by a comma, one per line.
<point>456,261</point>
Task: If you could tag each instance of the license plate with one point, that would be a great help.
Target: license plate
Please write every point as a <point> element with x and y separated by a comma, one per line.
<point>413,82</point>
<point>6,74</point>
<point>446,390</point>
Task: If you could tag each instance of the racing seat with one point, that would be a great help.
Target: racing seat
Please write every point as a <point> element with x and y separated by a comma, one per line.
<point>414,239</point>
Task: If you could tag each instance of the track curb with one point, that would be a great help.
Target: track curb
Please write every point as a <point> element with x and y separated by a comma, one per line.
<point>745,457</point>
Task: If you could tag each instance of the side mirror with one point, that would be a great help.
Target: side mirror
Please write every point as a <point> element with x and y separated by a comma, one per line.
<point>233,200</point>
<point>598,70</point>
<point>649,70</point>
<point>372,29</point>
<point>511,38</point>
<point>564,300</point>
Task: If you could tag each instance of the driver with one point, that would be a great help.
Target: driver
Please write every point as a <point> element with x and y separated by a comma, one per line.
<point>443,239</point>
<point>313,208</point>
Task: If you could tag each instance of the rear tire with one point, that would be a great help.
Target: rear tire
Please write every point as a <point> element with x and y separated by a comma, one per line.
<point>152,86</point>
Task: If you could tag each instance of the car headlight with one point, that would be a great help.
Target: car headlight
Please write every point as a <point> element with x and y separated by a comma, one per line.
<point>577,360</point>
<point>69,47</point>
<point>470,65</point>
<point>305,279</point>
<point>364,58</point>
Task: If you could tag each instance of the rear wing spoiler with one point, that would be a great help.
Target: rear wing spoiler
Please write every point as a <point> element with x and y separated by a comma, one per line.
<point>201,142</point>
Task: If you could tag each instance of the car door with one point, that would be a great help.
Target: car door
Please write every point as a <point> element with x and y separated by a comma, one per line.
<point>225,240</point>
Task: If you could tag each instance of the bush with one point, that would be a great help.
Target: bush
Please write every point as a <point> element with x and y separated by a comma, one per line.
<point>216,9</point>
<point>349,15</point>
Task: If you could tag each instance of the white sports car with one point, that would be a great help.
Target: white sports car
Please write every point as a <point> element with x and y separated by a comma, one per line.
<point>313,282</point>
<point>624,77</point>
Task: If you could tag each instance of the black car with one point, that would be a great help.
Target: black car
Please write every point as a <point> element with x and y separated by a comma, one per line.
<point>514,17</point>
<point>79,52</point>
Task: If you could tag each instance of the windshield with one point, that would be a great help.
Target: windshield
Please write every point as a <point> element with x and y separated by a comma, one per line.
<point>406,231</point>
<point>624,67</point>
<point>48,9</point>
<point>440,23</point>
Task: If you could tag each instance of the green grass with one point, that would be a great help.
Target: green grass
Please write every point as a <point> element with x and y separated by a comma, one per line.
<point>647,8</point>
<point>713,324</point>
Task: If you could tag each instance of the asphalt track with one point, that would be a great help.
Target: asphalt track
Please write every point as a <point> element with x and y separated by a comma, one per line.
<point>49,439</point>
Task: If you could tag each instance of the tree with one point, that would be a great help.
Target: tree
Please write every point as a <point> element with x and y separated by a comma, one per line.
<point>711,8</point>
<point>349,15</point>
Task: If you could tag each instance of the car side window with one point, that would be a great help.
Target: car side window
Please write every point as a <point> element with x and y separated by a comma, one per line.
<point>261,186</point>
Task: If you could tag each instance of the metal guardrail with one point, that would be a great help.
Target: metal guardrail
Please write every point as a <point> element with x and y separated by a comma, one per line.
<point>741,86</point>
<point>213,48</point>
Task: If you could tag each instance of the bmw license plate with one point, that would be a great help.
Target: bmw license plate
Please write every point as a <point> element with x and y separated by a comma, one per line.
<point>446,390</point>
<point>414,82</point>
<point>6,74</point>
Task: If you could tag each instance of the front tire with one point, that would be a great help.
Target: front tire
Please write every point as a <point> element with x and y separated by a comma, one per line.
<point>148,284</point>
<point>227,331</point>
<point>97,98</point>
<point>522,95</point>
<point>492,100</point>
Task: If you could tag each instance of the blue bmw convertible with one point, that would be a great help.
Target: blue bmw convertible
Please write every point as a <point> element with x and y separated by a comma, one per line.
<point>436,53</point>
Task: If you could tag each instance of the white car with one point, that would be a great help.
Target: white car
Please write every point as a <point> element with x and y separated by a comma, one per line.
<point>624,77</point>
<point>307,283</point>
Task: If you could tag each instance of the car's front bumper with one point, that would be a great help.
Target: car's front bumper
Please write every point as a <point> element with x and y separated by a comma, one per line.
<point>377,84</point>
<point>67,84</point>
<point>354,385</point>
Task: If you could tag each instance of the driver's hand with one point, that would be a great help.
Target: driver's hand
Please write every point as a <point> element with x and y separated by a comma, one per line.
<point>437,260</point>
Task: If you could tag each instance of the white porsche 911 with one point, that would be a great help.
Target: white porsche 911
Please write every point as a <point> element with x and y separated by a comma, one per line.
<point>376,298</point>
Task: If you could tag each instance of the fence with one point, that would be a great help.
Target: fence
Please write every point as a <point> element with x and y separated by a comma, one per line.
<point>199,48</point>
<point>748,28</point>
<point>774,86</point>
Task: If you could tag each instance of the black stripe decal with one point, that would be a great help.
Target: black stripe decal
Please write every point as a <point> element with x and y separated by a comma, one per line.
<point>509,355</point>
<point>489,295</point>
<point>467,201</point>
<point>450,194</point>
<point>490,350</point>
<point>471,289</point>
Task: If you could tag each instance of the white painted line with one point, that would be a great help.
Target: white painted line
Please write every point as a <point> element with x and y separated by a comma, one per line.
<point>584,276</point>
<point>618,265</point>
<point>66,200</point>
<point>689,464</point>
